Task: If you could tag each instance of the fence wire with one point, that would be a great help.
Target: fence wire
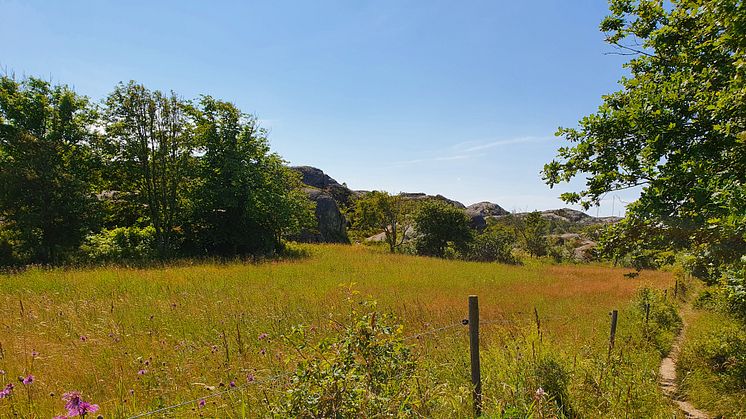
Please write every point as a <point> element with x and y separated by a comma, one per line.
<point>277,377</point>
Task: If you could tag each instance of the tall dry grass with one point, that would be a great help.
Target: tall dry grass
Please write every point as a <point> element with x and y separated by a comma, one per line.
<point>134,340</point>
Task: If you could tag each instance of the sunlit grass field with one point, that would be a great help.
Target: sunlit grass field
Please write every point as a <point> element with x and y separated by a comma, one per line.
<point>136,340</point>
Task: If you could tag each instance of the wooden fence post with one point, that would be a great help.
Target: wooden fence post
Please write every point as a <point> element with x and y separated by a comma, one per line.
<point>476,375</point>
<point>614,315</point>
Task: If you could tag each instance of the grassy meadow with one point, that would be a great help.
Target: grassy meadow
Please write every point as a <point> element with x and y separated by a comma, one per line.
<point>135,340</point>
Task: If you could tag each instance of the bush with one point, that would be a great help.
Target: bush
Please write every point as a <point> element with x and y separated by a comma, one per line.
<point>122,243</point>
<point>495,244</point>
<point>364,371</point>
<point>444,229</point>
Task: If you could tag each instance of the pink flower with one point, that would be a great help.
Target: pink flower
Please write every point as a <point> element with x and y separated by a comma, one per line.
<point>202,403</point>
<point>34,354</point>
<point>232,384</point>
<point>28,380</point>
<point>263,336</point>
<point>83,338</point>
<point>76,406</point>
<point>539,393</point>
<point>142,372</point>
<point>7,391</point>
<point>263,351</point>
<point>250,377</point>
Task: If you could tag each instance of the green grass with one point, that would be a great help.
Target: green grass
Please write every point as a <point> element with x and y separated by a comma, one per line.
<point>195,328</point>
<point>711,335</point>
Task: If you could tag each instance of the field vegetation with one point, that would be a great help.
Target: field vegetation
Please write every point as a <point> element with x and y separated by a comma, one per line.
<point>134,340</point>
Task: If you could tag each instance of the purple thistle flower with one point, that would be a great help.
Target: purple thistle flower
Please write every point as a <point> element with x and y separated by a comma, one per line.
<point>142,372</point>
<point>34,354</point>
<point>263,351</point>
<point>233,383</point>
<point>7,391</point>
<point>263,336</point>
<point>83,338</point>
<point>76,406</point>
<point>250,377</point>
<point>28,380</point>
<point>202,403</point>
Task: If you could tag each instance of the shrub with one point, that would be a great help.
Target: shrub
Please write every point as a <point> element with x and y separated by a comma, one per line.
<point>444,229</point>
<point>364,371</point>
<point>122,243</point>
<point>495,244</point>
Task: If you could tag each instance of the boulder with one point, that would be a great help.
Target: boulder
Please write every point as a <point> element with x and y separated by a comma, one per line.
<point>487,209</point>
<point>316,178</point>
<point>331,224</point>
<point>476,219</point>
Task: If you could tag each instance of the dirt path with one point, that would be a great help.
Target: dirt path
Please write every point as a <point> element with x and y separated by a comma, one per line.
<point>667,374</point>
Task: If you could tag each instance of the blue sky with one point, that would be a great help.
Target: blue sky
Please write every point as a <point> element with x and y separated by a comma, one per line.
<point>457,98</point>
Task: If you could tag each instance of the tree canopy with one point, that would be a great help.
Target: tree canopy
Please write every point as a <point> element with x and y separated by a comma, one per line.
<point>144,174</point>
<point>676,129</point>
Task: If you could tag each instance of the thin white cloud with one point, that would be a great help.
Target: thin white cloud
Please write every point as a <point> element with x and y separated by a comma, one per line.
<point>468,150</point>
<point>502,142</point>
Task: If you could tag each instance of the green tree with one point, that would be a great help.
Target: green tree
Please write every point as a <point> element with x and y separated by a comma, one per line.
<point>150,141</point>
<point>533,230</point>
<point>379,211</point>
<point>677,129</point>
<point>47,168</point>
<point>441,226</point>
<point>494,244</point>
<point>246,200</point>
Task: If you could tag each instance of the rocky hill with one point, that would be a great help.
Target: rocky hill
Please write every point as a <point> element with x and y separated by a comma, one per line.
<point>332,198</point>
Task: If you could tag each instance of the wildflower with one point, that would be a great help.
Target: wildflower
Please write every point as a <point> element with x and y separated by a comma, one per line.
<point>250,377</point>
<point>83,338</point>
<point>76,406</point>
<point>28,380</point>
<point>142,372</point>
<point>201,403</point>
<point>2,372</point>
<point>263,351</point>
<point>132,392</point>
<point>233,384</point>
<point>539,393</point>
<point>34,354</point>
<point>6,392</point>
<point>263,336</point>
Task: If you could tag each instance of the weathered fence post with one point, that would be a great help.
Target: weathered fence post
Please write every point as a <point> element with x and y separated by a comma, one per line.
<point>612,335</point>
<point>476,375</point>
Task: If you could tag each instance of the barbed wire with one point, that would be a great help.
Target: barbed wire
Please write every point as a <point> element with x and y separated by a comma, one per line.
<point>210,396</point>
<point>277,377</point>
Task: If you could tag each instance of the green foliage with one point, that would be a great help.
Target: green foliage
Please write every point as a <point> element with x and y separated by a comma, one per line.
<point>735,289</point>
<point>47,166</point>
<point>494,244</point>
<point>712,364</point>
<point>677,129</point>
<point>533,229</point>
<point>149,138</point>
<point>443,229</point>
<point>245,200</point>
<point>120,244</point>
<point>378,211</point>
<point>660,318</point>
<point>365,370</point>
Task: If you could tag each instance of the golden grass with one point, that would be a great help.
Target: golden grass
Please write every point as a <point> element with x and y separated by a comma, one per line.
<point>192,328</point>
